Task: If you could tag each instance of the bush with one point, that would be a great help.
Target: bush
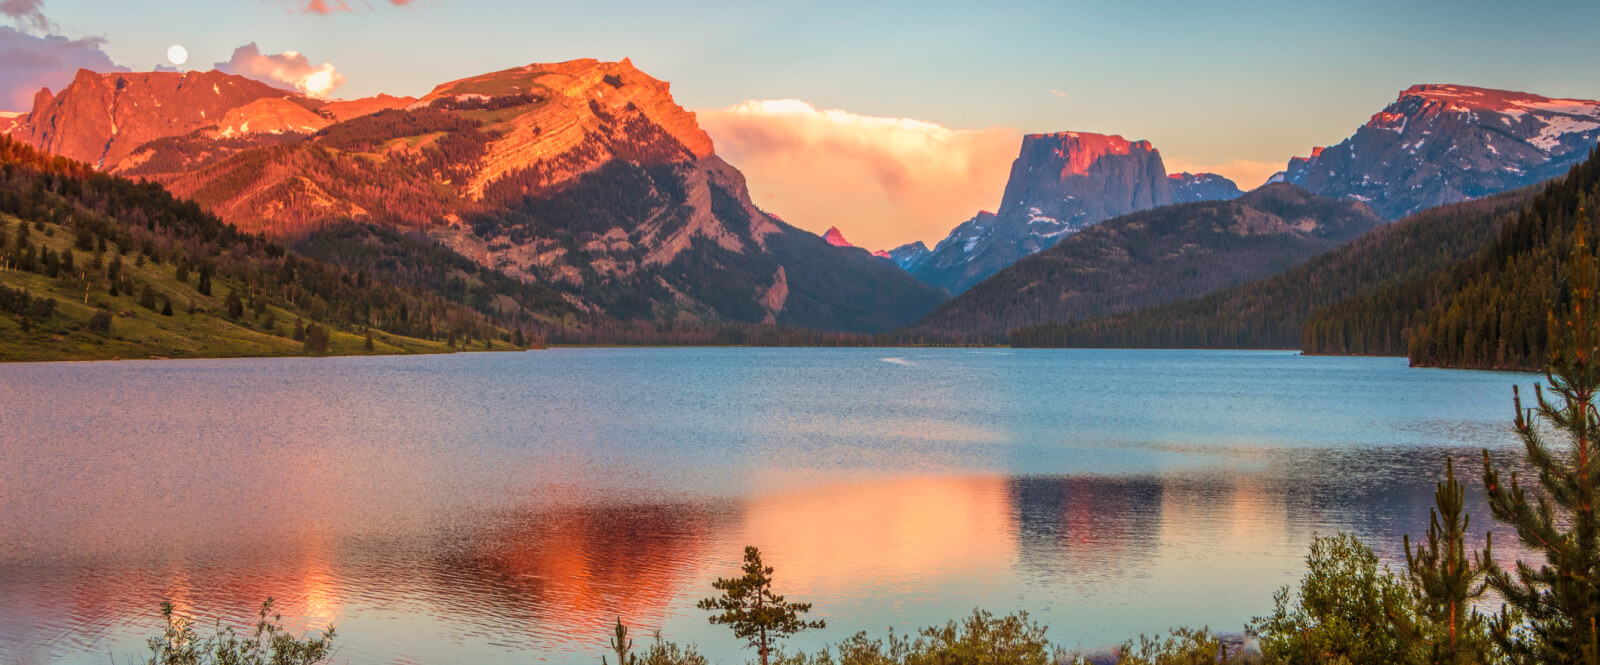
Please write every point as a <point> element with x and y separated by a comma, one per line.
<point>100,322</point>
<point>179,644</point>
<point>1183,646</point>
<point>1345,610</point>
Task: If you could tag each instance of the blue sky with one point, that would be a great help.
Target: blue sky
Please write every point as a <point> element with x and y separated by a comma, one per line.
<point>1211,84</point>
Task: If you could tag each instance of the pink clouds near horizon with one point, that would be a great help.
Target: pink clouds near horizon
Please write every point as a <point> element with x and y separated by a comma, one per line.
<point>882,181</point>
<point>289,69</point>
<point>28,63</point>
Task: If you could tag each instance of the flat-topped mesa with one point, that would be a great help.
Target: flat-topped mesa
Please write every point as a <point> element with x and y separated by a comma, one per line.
<point>101,118</point>
<point>1079,178</point>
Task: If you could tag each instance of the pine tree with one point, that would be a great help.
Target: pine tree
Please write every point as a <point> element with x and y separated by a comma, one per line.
<point>147,297</point>
<point>1446,583</point>
<point>756,614</point>
<point>166,306</point>
<point>1560,599</point>
<point>370,348</point>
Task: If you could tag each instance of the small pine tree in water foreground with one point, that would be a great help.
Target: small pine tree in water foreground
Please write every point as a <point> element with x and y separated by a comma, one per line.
<point>1447,629</point>
<point>755,613</point>
<point>1552,609</point>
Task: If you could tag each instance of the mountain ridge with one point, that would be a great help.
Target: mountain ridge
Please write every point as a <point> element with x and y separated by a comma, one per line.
<point>582,176</point>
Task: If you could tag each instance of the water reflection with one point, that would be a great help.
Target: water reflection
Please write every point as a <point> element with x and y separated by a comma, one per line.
<point>467,509</point>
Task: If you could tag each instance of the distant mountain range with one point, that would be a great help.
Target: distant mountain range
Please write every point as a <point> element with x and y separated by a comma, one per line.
<point>1060,184</point>
<point>1154,256</point>
<point>1469,284</point>
<point>583,177</point>
<point>1440,144</point>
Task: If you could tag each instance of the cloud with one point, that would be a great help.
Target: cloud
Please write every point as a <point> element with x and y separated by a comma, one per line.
<point>1059,94</point>
<point>882,181</point>
<point>323,7</point>
<point>283,69</point>
<point>28,63</point>
<point>27,13</point>
<point>1247,174</point>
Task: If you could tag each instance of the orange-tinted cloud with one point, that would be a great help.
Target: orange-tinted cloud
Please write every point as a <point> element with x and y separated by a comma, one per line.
<point>882,181</point>
<point>289,69</point>
<point>28,63</point>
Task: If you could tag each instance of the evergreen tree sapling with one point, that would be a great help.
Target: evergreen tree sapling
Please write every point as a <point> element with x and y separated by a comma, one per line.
<point>1559,599</point>
<point>1447,630</point>
<point>756,614</point>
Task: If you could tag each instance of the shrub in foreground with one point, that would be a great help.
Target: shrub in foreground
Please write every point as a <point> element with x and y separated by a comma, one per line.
<point>270,644</point>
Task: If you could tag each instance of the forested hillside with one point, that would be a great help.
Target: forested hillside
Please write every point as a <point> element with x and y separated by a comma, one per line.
<point>1271,313</point>
<point>1151,257</point>
<point>98,266</point>
<point>1488,311</point>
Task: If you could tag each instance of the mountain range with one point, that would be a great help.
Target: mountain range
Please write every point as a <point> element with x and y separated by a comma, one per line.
<point>579,195</point>
<point>584,177</point>
<point>1060,184</point>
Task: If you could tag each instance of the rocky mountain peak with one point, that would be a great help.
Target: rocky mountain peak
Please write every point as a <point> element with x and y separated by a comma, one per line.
<point>836,237</point>
<point>1440,143</point>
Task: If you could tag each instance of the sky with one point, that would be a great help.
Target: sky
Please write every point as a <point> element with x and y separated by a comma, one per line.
<point>894,121</point>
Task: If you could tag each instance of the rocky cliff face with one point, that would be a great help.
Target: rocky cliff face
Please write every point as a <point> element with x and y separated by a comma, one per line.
<point>1060,184</point>
<point>584,176</point>
<point>1439,144</point>
<point>101,118</point>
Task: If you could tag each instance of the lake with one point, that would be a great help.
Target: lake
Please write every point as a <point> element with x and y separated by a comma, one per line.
<point>507,508</point>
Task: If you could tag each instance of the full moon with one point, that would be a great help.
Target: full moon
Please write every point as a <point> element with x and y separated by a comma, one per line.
<point>178,54</point>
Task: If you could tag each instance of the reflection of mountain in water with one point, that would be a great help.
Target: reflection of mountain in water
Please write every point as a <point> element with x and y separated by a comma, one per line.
<point>1085,532</point>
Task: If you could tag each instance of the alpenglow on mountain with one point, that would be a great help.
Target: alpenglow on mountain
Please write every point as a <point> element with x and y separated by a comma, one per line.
<point>1060,183</point>
<point>1440,144</point>
<point>584,177</point>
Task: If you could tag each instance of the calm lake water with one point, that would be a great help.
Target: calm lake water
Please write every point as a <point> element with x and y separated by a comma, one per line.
<point>506,508</point>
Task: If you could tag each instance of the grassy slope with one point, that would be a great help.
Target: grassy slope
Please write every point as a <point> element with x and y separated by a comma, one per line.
<point>137,332</point>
